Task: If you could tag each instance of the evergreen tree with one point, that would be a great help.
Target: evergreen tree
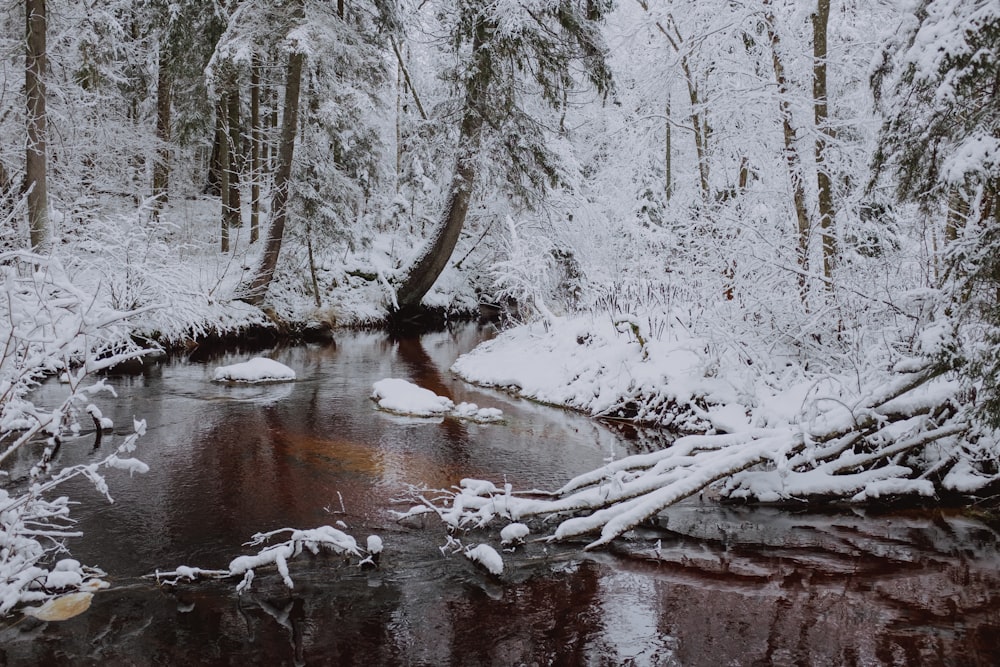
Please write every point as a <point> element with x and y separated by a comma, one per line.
<point>509,56</point>
<point>942,141</point>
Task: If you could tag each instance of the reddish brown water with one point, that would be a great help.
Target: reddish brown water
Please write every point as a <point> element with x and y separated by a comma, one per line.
<point>713,586</point>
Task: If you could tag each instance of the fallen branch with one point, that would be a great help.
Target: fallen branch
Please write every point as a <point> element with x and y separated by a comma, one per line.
<point>896,420</point>
<point>315,540</point>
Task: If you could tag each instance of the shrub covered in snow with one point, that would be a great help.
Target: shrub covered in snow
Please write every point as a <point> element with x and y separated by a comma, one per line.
<point>48,326</point>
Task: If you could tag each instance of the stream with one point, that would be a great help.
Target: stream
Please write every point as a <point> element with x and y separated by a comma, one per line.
<point>707,585</point>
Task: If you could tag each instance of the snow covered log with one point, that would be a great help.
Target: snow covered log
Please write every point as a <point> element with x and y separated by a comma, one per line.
<point>905,436</point>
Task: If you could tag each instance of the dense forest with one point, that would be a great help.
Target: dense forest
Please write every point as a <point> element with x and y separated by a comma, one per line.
<point>782,217</point>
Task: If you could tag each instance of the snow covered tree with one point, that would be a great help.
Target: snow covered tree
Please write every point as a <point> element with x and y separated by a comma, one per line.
<point>185,34</point>
<point>255,288</point>
<point>942,142</point>
<point>36,167</point>
<point>509,57</point>
<point>333,76</point>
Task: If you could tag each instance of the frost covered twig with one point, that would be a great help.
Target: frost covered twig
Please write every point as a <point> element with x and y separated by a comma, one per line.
<point>314,540</point>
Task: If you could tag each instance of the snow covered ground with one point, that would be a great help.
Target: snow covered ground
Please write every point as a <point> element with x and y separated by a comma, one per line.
<point>591,364</point>
<point>867,436</point>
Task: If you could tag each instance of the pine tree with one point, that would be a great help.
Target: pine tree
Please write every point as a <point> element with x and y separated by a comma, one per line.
<point>942,141</point>
<point>505,49</point>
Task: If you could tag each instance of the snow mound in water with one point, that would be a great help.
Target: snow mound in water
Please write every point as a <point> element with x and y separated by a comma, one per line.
<point>486,556</point>
<point>473,412</point>
<point>405,398</point>
<point>257,369</point>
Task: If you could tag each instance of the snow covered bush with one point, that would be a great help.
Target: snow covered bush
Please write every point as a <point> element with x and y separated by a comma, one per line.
<point>49,326</point>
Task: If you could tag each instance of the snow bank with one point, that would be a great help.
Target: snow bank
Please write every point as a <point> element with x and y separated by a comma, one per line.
<point>592,365</point>
<point>257,369</point>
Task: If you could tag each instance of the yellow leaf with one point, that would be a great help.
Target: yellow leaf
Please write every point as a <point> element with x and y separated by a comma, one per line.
<point>61,608</point>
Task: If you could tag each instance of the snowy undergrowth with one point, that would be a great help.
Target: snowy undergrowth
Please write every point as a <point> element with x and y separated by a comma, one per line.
<point>48,326</point>
<point>130,261</point>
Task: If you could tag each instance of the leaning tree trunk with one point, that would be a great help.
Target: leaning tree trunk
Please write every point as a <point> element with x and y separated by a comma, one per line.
<point>422,275</point>
<point>35,170</point>
<point>253,292</point>
<point>255,141</point>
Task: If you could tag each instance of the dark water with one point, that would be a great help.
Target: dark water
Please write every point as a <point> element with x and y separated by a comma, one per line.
<point>712,586</point>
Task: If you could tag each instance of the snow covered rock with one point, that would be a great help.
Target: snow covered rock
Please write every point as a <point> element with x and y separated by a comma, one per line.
<point>406,398</point>
<point>473,412</point>
<point>486,556</point>
<point>513,533</point>
<point>258,369</point>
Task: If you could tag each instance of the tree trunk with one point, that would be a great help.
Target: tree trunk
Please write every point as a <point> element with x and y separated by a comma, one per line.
<point>422,275</point>
<point>270,152</point>
<point>399,124</point>
<point>958,213</point>
<point>792,159</point>
<point>699,121</point>
<point>668,176</point>
<point>161,167</point>
<point>222,138</point>
<point>233,208</point>
<point>254,291</point>
<point>35,170</point>
<point>255,149</point>
<point>826,211</point>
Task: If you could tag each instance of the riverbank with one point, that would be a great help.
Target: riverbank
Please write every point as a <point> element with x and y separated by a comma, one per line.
<point>226,462</point>
<point>902,430</point>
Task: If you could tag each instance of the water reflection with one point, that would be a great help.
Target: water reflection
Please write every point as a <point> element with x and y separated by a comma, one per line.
<point>706,586</point>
